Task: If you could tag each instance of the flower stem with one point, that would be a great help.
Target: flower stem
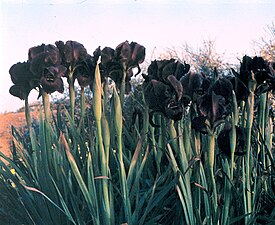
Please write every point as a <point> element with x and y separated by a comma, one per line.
<point>122,174</point>
<point>82,107</point>
<point>211,162</point>
<point>248,169</point>
<point>123,84</point>
<point>47,106</point>
<point>97,107</point>
<point>71,92</point>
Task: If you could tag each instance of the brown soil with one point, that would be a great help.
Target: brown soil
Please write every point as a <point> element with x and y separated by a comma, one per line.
<point>7,120</point>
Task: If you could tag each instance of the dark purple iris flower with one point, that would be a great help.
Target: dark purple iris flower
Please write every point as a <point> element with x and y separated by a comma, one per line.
<point>159,97</point>
<point>194,85</point>
<point>213,106</point>
<point>132,54</point>
<point>45,63</point>
<point>113,61</point>
<point>162,89</point>
<point>42,70</point>
<point>261,70</point>
<point>77,60</point>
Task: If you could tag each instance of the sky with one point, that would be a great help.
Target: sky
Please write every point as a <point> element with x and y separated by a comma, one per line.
<point>234,26</point>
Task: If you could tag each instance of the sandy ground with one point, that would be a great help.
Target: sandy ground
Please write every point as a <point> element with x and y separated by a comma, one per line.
<point>6,121</point>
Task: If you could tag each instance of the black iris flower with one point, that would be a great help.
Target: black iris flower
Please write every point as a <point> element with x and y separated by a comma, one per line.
<point>162,89</point>
<point>125,56</point>
<point>43,70</point>
<point>77,60</point>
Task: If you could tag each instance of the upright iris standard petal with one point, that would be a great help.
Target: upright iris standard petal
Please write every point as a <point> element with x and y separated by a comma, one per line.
<point>50,54</point>
<point>107,55</point>
<point>74,52</point>
<point>125,57</point>
<point>174,67</point>
<point>123,52</point>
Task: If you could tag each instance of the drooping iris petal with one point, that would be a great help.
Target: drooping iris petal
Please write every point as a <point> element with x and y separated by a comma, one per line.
<point>176,84</point>
<point>157,95</point>
<point>20,73</point>
<point>137,56</point>
<point>223,87</point>
<point>20,91</point>
<point>194,85</point>
<point>51,79</point>
<point>199,124</point>
<point>173,110</point>
<point>240,89</point>
<point>24,81</point>
<point>212,106</point>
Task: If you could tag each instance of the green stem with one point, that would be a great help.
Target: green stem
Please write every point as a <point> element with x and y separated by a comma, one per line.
<point>123,84</point>
<point>27,113</point>
<point>32,134</point>
<point>104,184</point>
<point>47,106</point>
<point>123,182</point>
<point>263,121</point>
<point>82,107</point>
<point>71,92</point>
<point>211,162</point>
<point>248,168</point>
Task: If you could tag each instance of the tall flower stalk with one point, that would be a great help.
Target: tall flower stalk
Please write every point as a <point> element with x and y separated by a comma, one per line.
<point>97,107</point>
<point>46,106</point>
<point>122,174</point>
<point>248,163</point>
<point>71,92</point>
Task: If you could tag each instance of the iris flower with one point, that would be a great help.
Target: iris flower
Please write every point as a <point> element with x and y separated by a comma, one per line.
<point>43,70</point>
<point>163,90</point>
<point>75,57</point>
<point>113,61</point>
<point>213,106</point>
<point>45,63</point>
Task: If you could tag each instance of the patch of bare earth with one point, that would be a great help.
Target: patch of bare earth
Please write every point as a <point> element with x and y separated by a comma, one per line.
<point>7,120</point>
